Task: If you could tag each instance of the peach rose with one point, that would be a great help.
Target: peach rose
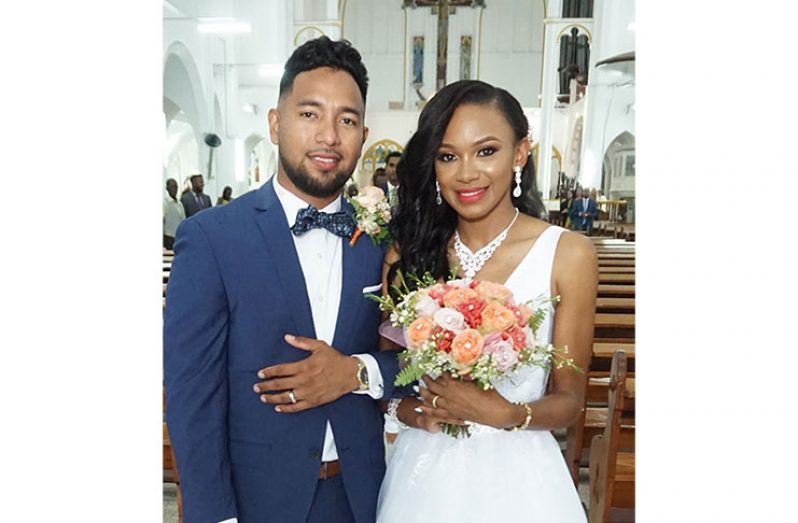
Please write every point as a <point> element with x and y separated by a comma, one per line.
<point>455,297</point>
<point>525,313</point>
<point>419,331</point>
<point>467,347</point>
<point>497,317</point>
<point>493,291</point>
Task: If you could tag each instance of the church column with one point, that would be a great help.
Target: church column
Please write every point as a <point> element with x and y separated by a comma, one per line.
<point>555,27</point>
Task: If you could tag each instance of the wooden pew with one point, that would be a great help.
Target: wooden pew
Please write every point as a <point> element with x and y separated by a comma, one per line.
<point>612,262</point>
<point>608,269</point>
<point>592,419</point>
<point>623,305</point>
<point>614,327</point>
<point>616,255</point>
<point>628,278</point>
<point>610,290</point>
<point>612,457</point>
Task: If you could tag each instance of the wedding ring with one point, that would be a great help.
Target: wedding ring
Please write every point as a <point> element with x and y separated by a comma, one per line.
<point>291,396</point>
<point>435,402</point>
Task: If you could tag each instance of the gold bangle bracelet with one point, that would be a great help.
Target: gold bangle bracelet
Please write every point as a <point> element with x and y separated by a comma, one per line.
<point>527,420</point>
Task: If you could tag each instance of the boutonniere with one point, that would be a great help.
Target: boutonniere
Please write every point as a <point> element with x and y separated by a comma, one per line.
<point>372,214</point>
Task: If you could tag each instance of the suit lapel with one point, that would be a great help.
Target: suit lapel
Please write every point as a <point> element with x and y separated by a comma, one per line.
<point>352,283</point>
<point>273,225</point>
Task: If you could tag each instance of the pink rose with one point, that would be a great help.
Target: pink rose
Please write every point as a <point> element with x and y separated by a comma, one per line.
<point>500,346</point>
<point>426,306</point>
<point>450,319</point>
<point>369,197</point>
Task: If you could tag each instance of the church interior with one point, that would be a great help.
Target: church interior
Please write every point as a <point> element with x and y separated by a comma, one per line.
<point>570,63</point>
<point>102,102</point>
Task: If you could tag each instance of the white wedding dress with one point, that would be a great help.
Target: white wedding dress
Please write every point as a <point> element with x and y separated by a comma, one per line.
<point>495,475</point>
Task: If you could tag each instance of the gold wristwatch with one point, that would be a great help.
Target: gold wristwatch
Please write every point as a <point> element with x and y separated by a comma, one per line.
<point>362,375</point>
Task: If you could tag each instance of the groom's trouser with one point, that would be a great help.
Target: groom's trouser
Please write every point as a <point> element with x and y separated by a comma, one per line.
<point>330,504</point>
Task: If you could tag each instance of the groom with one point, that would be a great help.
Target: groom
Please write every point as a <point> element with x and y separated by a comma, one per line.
<point>270,347</point>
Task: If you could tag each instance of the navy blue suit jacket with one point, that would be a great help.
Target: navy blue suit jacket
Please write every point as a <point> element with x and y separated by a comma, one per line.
<point>583,221</point>
<point>235,289</point>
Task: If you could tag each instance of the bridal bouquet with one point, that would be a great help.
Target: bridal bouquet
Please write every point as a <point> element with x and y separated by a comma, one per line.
<point>372,214</point>
<point>472,329</point>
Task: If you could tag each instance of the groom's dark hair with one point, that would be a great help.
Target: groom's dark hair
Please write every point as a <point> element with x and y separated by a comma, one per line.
<point>323,52</point>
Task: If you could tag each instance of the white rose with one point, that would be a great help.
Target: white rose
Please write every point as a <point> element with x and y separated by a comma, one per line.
<point>426,306</point>
<point>369,197</point>
<point>450,319</point>
<point>369,226</point>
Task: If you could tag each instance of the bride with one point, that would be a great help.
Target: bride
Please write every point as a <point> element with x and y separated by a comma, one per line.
<point>468,198</point>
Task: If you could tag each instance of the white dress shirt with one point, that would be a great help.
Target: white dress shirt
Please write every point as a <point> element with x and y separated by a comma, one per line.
<point>173,214</point>
<point>321,258</point>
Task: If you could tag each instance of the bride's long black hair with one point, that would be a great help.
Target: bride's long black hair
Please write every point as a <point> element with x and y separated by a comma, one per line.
<point>421,227</point>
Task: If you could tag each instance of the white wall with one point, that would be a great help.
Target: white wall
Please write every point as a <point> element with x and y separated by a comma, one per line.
<point>376,29</point>
<point>511,48</point>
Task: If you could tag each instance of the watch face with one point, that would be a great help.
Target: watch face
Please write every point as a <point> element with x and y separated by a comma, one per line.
<point>364,376</point>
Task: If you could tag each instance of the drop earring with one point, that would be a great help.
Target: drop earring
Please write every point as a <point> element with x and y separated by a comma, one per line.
<point>438,198</point>
<point>517,190</point>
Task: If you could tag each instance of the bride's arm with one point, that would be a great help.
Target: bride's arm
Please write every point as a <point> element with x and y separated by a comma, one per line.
<point>575,278</point>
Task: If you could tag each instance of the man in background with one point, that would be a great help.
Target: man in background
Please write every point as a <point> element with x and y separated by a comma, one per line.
<point>380,179</point>
<point>195,200</point>
<point>391,161</point>
<point>173,214</point>
<point>584,212</point>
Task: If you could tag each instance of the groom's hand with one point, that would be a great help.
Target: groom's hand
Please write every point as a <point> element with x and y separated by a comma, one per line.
<point>321,378</point>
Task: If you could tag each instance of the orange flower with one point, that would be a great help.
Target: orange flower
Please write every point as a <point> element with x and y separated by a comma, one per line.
<point>467,347</point>
<point>525,314</point>
<point>497,317</point>
<point>455,297</point>
<point>355,236</point>
<point>419,331</point>
<point>493,291</point>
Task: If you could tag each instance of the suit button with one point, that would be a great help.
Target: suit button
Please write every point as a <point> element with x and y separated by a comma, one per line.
<point>314,454</point>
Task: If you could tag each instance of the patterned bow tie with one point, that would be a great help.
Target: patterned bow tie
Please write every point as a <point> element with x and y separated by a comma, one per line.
<point>339,223</point>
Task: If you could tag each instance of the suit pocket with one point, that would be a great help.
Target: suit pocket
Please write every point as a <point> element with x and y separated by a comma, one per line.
<point>372,288</point>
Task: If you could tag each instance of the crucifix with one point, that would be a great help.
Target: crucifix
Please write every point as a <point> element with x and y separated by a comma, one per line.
<point>443,8</point>
<point>443,40</point>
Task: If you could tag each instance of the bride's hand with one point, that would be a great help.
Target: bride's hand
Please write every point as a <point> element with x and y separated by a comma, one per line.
<point>468,401</point>
<point>425,418</point>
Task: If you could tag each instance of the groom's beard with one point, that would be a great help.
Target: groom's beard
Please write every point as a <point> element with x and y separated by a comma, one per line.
<point>324,187</point>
